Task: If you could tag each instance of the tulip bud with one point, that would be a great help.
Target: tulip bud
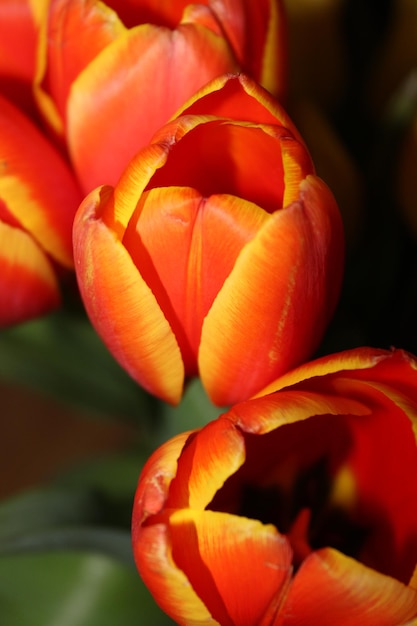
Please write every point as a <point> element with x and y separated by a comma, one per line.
<point>219,253</point>
<point>296,507</point>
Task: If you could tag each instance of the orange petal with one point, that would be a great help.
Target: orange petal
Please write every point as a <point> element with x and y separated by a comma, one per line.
<point>236,565</point>
<point>208,460</point>
<point>122,307</point>
<point>355,361</point>
<point>272,309</point>
<point>331,588</point>
<point>173,65</point>
<point>167,583</point>
<point>36,185</point>
<point>28,286</point>
<point>185,246</point>
<point>239,97</point>
<point>265,414</point>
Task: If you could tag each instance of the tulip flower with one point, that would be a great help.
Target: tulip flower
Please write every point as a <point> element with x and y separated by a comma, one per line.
<point>107,83</point>
<point>38,200</point>
<point>294,507</point>
<point>219,252</point>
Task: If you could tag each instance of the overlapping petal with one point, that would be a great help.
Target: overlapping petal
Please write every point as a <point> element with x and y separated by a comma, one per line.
<point>173,65</point>
<point>331,588</point>
<point>28,285</point>
<point>279,272</point>
<point>20,27</point>
<point>224,573</point>
<point>36,184</point>
<point>113,290</point>
<point>74,33</point>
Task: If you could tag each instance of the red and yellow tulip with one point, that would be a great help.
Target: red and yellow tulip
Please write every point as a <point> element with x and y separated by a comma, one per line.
<point>297,507</point>
<point>110,75</point>
<point>38,200</point>
<point>219,253</point>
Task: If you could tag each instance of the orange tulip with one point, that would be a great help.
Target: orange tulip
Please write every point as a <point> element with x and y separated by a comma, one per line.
<point>107,85</point>
<point>38,200</point>
<point>218,253</point>
<point>297,507</point>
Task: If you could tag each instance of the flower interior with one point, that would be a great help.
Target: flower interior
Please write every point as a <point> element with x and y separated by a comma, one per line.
<point>325,482</point>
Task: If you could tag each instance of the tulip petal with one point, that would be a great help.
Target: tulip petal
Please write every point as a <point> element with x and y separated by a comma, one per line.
<point>150,541</point>
<point>122,307</point>
<point>36,185</point>
<point>257,33</point>
<point>331,588</point>
<point>155,480</point>
<point>239,97</point>
<point>77,31</point>
<point>255,329</point>
<point>167,583</point>
<point>18,32</point>
<point>222,555</point>
<point>388,487</point>
<point>205,464</point>
<point>357,360</point>
<point>184,246</point>
<point>245,148</point>
<point>265,414</point>
<point>28,287</point>
<point>173,65</point>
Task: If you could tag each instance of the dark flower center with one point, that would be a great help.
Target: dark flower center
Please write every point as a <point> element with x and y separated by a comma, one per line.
<point>297,478</point>
<point>306,514</point>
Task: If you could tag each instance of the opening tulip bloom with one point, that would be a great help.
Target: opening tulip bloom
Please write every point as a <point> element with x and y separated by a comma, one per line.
<point>38,200</point>
<point>219,253</point>
<point>110,75</point>
<point>296,507</point>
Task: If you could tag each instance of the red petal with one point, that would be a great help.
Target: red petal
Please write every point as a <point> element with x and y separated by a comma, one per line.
<point>36,185</point>
<point>18,38</point>
<point>258,35</point>
<point>331,588</point>
<point>239,97</point>
<point>28,287</point>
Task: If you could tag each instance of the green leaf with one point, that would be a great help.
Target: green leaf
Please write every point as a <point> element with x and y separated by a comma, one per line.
<point>54,519</point>
<point>74,589</point>
<point>195,411</point>
<point>61,355</point>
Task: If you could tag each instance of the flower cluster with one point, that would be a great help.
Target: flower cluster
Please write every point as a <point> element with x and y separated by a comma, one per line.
<point>147,151</point>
